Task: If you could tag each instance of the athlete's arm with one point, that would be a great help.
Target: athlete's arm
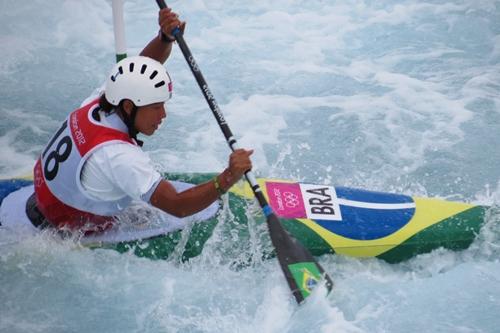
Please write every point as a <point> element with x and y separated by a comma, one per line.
<point>157,48</point>
<point>197,198</point>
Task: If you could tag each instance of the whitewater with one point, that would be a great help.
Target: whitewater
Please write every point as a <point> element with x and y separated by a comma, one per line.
<point>394,96</point>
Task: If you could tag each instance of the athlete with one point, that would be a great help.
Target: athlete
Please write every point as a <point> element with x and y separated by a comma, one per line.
<point>94,167</point>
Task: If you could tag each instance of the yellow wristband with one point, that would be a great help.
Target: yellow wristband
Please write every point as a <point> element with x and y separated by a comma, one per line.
<point>217,186</point>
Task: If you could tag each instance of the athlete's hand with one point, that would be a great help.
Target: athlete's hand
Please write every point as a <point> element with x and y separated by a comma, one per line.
<point>239,163</point>
<point>168,21</point>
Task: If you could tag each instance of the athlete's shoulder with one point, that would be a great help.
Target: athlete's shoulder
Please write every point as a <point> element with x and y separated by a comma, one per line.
<point>116,154</point>
<point>120,149</point>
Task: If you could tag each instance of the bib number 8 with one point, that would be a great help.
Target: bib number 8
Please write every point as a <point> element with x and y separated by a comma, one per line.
<point>51,166</point>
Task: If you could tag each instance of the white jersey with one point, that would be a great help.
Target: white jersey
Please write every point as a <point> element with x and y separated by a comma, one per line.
<point>103,173</point>
<point>108,174</point>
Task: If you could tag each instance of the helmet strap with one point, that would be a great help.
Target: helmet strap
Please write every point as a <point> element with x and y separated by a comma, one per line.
<point>130,122</point>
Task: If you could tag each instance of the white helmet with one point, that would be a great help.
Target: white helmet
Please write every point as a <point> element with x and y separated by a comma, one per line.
<point>140,79</point>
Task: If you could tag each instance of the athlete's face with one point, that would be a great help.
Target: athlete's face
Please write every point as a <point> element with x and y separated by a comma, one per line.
<point>149,117</point>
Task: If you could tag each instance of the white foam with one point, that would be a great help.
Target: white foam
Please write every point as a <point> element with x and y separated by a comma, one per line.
<point>399,96</point>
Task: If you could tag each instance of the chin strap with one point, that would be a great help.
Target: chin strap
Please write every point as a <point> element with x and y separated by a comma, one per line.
<point>130,122</point>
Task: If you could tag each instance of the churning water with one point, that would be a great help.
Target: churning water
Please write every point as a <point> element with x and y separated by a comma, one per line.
<point>400,96</point>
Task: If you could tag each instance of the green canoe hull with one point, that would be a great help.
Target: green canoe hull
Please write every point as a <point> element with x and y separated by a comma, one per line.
<point>325,219</point>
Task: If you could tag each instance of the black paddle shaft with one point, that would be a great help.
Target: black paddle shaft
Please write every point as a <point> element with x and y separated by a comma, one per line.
<point>209,97</point>
<point>288,250</point>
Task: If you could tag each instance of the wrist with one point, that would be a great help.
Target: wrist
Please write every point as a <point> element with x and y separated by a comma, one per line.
<point>226,179</point>
<point>164,38</point>
<point>218,187</point>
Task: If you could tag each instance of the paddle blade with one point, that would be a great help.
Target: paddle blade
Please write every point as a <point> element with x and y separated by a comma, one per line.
<point>301,270</point>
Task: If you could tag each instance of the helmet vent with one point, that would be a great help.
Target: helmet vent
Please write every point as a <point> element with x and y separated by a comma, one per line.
<point>145,81</point>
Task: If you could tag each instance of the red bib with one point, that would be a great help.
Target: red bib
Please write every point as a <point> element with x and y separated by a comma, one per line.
<point>59,192</point>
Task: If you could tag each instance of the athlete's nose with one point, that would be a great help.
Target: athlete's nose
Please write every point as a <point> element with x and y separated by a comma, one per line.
<point>163,113</point>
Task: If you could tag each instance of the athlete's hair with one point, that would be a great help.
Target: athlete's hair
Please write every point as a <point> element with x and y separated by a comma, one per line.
<point>105,105</point>
<point>129,120</point>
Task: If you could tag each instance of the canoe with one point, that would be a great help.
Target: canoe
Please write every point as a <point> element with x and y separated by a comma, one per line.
<point>324,218</point>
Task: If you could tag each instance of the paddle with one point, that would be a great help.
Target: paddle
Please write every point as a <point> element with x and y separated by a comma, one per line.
<point>301,270</point>
<point>119,30</point>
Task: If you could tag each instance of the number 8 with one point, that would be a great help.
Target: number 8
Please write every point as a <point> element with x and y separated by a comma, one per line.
<point>58,157</point>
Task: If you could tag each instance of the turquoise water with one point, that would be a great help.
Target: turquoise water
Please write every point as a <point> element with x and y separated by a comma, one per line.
<point>400,96</point>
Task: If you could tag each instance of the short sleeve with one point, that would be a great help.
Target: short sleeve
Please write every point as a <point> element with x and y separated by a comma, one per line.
<point>126,169</point>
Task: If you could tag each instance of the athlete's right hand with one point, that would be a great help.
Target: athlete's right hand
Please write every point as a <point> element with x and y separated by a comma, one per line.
<point>239,163</point>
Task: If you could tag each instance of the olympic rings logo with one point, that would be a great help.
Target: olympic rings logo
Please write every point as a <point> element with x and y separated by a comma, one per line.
<point>291,199</point>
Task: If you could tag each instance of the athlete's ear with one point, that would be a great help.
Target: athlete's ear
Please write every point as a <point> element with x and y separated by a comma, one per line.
<point>128,106</point>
